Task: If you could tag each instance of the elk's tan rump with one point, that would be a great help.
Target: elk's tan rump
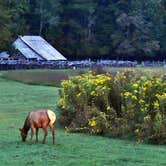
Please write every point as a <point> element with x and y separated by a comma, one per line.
<point>51,116</point>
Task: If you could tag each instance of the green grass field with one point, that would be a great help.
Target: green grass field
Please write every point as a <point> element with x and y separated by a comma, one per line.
<point>17,99</point>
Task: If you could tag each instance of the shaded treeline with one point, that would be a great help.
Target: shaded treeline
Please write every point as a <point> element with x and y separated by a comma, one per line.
<point>128,29</point>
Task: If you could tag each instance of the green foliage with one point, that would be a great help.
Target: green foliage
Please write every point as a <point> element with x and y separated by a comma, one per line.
<point>5,34</point>
<point>134,36</point>
<point>45,14</point>
<point>126,103</point>
<point>12,22</point>
<point>89,28</point>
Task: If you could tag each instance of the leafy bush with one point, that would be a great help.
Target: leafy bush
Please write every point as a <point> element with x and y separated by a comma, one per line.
<point>122,104</point>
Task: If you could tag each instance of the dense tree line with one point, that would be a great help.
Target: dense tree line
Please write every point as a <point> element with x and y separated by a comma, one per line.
<point>133,29</point>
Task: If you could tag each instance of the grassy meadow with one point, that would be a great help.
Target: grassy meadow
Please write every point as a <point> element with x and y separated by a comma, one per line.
<point>18,98</point>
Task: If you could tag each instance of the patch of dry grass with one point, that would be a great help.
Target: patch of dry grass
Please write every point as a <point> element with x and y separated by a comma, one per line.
<point>39,77</point>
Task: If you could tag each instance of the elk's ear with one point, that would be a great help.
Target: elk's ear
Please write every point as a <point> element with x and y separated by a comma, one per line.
<point>20,129</point>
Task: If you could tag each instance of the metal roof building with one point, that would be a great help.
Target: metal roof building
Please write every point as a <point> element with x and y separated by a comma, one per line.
<point>4,55</point>
<point>35,47</point>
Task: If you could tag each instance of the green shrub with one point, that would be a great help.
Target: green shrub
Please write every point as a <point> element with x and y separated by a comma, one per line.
<point>122,104</point>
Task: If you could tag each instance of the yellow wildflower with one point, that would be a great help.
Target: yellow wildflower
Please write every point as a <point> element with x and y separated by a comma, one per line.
<point>126,94</point>
<point>164,95</point>
<point>108,108</point>
<point>135,85</point>
<point>141,101</point>
<point>136,131</point>
<point>134,97</point>
<point>79,94</point>
<point>92,122</point>
<point>104,88</point>
<point>143,78</point>
<point>93,93</point>
<point>157,95</point>
<point>124,77</point>
<point>147,118</point>
<point>63,107</point>
<point>147,83</point>
<point>144,89</point>
<point>161,96</point>
<point>156,104</point>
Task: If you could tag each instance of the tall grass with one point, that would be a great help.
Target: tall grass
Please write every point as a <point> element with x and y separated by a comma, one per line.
<point>54,77</point>
<point>40,77</point>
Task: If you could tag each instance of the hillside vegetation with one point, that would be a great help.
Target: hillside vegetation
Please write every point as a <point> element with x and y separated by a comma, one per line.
<point>94,29</point>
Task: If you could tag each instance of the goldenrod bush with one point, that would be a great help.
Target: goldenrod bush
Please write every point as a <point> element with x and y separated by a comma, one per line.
<point>123,104</point>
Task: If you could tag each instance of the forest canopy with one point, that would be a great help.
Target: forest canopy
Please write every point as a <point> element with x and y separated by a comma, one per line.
<point>81,29</point>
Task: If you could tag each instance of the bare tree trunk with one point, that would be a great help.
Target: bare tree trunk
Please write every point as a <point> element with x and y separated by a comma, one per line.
<point>41,27</point>
<point>91,21</point>
<point>41,18</point>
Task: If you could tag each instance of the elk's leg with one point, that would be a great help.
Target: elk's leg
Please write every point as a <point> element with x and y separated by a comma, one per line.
<point>32,133</point>
<point>53,132</point>
<point>45,134</point>
<point>37,129</point>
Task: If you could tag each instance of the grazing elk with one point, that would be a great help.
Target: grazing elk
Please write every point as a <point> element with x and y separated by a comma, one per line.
<point>39,119</point>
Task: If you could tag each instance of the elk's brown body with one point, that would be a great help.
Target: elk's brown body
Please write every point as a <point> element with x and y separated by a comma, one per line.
<point>39,119</point>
